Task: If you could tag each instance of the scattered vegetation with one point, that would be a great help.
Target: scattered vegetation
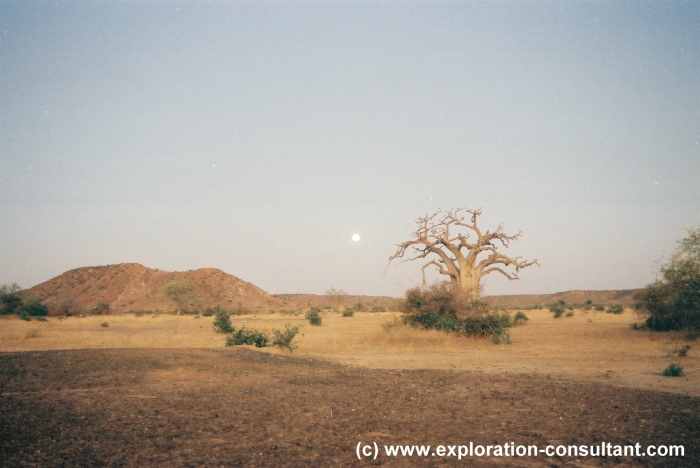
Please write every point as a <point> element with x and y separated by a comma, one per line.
<point>283,338</point>
<point>520,318</point>
<point>616,309</point>
<point>314,316</point>
<point>222,320</point>
<point>439,308</point>
<point>348,312</point>
<point>247,337</point>
<point>673,370</point>
<point>681,352</point>
<point>673,302</point>
<point>280,338</point>
<point>558,308</point>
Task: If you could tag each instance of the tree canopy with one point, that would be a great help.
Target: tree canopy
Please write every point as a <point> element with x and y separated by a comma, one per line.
<point>673,301</point>
<point>453,243</point>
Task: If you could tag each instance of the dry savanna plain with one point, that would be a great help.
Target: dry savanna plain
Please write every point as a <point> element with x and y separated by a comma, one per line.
<point>162,390</point>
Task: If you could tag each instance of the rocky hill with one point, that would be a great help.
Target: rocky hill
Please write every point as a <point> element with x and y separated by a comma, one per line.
<point>130,286</point>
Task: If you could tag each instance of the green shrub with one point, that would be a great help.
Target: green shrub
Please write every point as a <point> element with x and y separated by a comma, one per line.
<point>35,309</point>
<point>673,301</point>
<point>600,308</point>
<point>104,324</point>
<point>222,321</point>
<point>438,308</point>
<point>616,309</point>
<point>314,316</point>
<point>673,370</point>
<point>682,352</point>
<point>520,318</point>
<point>558,308</point>
<point>495,325</point>
<point>284,338</point>
<point>10,299</point>
<point>24,315</point>
<point>348,312</point>
<point>378,309</point>
<point>247,337</point>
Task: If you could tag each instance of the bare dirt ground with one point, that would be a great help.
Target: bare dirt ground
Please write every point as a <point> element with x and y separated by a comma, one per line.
<point>139,394</point>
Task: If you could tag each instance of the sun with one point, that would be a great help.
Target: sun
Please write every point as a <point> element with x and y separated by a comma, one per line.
<point>356,237</point>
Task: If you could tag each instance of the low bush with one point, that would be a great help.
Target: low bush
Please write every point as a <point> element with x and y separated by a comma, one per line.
<point>673,370</point>
<point>348,312</point>
<point>247,337</point>
<point>438,308</point>
<point>599,308</point>
<point>281,338</point>
<point>284,338</point>
<point>222,320</point>
<point>378,309</point>
<point>616,309</point>
<point>104,324</point>
<point>520,318</point>
<point>682,352</point>
<point>494,325</point>
<point>558,308</point>
<point>35,309</point>
<point>314,316</point>
<point>24,315</point>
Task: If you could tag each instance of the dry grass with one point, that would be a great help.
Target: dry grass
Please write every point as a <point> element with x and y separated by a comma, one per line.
<point>590,345</point>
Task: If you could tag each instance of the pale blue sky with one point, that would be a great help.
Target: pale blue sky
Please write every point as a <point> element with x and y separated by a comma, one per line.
<point>257,137</point>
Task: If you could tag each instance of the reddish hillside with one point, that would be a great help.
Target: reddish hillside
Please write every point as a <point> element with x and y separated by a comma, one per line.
<point>130,286</point>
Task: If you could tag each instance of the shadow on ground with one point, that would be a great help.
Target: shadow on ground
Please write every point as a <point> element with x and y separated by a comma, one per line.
<point>235,407</point>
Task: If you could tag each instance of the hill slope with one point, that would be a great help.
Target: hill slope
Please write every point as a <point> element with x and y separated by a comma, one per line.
<point>625,297</point>
<point>131,286</point>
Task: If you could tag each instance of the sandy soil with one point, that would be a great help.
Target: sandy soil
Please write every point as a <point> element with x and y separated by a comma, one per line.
<point>136,393</point>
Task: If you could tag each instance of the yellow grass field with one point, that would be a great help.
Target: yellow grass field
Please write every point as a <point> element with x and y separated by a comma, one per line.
<point>591,346</point>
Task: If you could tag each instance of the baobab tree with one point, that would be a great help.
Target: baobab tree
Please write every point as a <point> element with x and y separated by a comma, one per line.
<point>458,248</point>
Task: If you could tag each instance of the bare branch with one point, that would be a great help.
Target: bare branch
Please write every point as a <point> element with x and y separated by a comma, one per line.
<point>454,237</point>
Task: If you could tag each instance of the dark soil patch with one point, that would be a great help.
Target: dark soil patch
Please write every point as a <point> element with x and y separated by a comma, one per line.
<point>235,407</point>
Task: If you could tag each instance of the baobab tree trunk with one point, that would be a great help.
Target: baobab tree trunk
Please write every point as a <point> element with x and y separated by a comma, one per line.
<point>468,285</point>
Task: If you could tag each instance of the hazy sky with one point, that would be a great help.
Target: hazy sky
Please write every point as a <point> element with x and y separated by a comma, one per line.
<point>258,137</point>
